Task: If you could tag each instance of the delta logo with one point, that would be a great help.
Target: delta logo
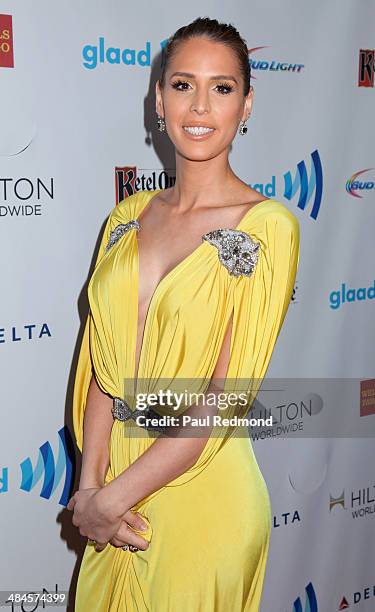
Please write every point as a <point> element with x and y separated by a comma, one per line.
<point>357,597</point>
<point>355,185</point>
<point>6,42</point>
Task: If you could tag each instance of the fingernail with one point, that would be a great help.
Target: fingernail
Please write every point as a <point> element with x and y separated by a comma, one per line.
<point>143,526</point>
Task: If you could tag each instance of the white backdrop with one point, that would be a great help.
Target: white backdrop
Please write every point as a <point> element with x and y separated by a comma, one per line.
<point>68,125</point>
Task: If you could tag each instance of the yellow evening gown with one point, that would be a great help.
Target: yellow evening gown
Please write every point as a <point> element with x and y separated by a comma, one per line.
<point>210,527</point>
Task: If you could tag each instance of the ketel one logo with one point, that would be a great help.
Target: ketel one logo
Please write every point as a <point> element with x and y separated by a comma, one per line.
<point>366,68</point>
<point>337,501</point>
<point>51,471</point>
<point>306,188</point>
<point>311,604</point>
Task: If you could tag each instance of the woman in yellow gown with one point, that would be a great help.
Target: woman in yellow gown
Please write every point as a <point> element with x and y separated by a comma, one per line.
<point>208,528</point>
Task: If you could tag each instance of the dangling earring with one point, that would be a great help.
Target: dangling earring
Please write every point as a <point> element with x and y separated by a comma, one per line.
<point>243,128</point>
<point>161,124</point>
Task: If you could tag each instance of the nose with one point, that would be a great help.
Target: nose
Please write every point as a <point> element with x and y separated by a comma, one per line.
<point>200,102</point>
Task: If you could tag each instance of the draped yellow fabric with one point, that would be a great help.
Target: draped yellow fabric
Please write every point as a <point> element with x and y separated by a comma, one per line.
<point>209,528</point>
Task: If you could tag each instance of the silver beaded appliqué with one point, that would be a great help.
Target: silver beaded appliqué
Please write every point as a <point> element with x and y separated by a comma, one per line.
<point>120,230</point>
<point>238,252</point>
<point>122,412</point>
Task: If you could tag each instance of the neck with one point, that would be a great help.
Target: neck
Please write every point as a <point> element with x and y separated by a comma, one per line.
<point>203,182</point>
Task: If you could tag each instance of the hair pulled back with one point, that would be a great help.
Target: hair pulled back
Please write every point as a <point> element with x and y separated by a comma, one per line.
<point>212,29</point>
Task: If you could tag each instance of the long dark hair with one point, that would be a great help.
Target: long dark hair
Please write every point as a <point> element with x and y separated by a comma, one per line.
<point>224,33</point>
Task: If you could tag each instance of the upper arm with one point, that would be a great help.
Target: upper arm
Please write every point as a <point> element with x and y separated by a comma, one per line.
<point>221,367</point>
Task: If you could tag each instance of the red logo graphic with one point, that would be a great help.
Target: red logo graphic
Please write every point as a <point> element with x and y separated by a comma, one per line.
<point>367,399</point>
<point>344,604</point>
<point>366,68</point>
<point>126,182</point>
<point>6,42</point>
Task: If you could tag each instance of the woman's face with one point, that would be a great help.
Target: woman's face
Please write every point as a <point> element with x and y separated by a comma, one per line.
<point>207,91</point>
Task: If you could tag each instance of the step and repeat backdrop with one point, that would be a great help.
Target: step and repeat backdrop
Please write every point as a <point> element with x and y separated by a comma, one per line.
<point>78,133</point>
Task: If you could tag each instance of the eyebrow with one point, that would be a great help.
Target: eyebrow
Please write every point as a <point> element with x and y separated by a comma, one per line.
<point>215,77</point>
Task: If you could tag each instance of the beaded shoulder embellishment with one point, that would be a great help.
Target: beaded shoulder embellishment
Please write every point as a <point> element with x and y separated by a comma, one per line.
<point>238,252</point>
<point>120,230</point>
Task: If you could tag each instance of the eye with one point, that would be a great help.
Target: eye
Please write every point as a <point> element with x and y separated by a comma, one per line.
<point>177,84</point>
<point>226,87</point>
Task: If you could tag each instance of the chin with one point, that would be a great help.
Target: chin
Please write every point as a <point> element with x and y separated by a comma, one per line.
<point>192,155</point>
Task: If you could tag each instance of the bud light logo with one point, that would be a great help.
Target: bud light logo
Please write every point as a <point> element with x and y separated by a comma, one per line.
<point>52,472</point>
<point>306,188</point>
<point>311,604</point>
<point>353,185</point>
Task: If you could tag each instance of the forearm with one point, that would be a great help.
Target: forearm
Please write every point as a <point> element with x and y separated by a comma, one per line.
<point>97,425</point>
<point>166,459</point>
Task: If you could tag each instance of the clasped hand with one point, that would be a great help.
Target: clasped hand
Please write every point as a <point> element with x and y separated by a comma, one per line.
<point>98,522</point>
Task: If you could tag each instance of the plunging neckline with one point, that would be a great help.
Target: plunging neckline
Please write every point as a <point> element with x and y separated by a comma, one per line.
<point>164,279</point>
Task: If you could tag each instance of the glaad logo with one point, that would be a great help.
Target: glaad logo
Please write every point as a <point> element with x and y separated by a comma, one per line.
<point>311,604</point>
<point>366,68</point>
<point>353,185</point>
<point>336,298</point>
<point>52,472</point>
<point>6,42</point>
<point>114,55</point>
<point>306,187</point>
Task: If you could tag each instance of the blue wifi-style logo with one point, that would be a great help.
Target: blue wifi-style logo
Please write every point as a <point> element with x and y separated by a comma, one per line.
<point>306,188</point>
<point>311,604</point>
<point>51,471</point>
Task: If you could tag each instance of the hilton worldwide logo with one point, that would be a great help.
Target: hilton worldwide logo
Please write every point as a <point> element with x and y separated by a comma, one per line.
<point>360,502</point>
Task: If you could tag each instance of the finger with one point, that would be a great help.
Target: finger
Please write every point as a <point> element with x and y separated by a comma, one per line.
<point>71,503</point>
<point>135,520</point>
<point>117,542</point>
<point>126,536</point>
